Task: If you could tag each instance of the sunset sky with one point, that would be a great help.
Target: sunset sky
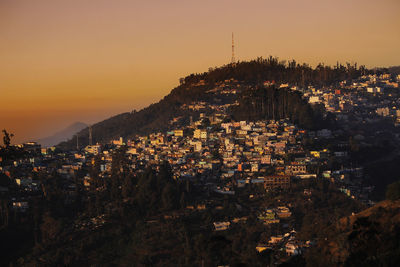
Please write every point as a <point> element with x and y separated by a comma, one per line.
<point>68,61</point>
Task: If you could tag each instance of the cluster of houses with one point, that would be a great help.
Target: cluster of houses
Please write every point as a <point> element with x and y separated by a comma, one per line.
<point>270,216</point>
<point>286,242</point>
<point>225,156</point>
<point>366,98</point>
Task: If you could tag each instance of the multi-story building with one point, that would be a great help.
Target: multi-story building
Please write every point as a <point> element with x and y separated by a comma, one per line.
<point>277,182</point>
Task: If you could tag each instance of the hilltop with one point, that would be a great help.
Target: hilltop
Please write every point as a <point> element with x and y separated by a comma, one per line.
<point>233,85</point>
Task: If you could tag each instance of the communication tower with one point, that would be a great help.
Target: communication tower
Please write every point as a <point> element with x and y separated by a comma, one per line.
<point>90,135</point>
<point>233,51</point>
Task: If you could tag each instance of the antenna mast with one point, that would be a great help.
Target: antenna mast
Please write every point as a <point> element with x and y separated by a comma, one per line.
<point>90,135</point>
<point>233,51</point>
<point>77,142</point>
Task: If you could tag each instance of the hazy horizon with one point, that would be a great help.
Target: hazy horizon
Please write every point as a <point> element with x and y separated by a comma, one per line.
<point>68,61</point>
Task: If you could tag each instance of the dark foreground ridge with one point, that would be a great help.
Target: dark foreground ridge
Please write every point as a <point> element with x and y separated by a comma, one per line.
<point>364,239</point>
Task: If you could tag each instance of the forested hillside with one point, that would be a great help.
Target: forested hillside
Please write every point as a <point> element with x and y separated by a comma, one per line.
<point>273,103</point>
<point>369,238</point>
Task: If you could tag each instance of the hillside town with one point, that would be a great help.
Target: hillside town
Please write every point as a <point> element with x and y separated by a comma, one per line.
<point>221,157</point>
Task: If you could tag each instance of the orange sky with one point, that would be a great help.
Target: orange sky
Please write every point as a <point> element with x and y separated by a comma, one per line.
<point>85,60</point>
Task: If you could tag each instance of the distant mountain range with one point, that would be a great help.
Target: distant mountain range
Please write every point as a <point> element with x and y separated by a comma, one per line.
<point>62,135</point>
<point>250,75</point>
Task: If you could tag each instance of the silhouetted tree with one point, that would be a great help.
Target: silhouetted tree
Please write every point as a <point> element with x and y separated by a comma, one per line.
<point>50,228</point>
<point>393,191</point>
<point>7,138</point>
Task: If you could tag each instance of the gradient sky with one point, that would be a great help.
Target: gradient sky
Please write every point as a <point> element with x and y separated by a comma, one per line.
<point>85,60</point>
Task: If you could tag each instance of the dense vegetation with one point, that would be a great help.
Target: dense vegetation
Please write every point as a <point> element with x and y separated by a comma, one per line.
<point>370,238</point>
<point>272,103</point>
<point>381,174</point>
<point>54,216</point>
<point>8,153</point>
<point>259,70</point>
<point>161,232</point>
<point>393,191</point>
<point>141,218</point>
<point>156,116</point>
